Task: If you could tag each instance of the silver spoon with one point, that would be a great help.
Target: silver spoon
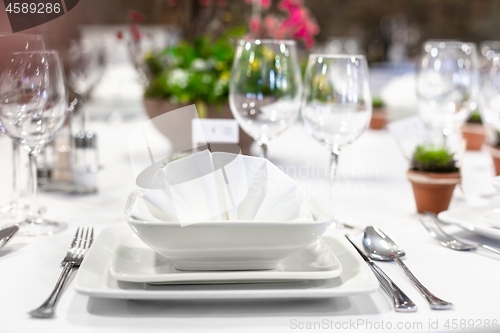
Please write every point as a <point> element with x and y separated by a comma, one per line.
<point>380,247</point>
<point>6,234</point>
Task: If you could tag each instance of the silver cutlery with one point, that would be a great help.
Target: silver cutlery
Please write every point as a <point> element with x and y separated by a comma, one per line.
<point>402,303</point>
<point>6,234</point>
<point>79,246</point>
<point>430,222</point>
<point>381,247</point>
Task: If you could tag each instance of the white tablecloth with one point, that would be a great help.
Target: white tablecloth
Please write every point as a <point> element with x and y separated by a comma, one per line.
<point>372,189</point>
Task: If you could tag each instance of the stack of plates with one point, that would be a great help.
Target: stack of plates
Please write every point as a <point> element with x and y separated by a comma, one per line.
<point>484,220</point>
<point>120,265</point>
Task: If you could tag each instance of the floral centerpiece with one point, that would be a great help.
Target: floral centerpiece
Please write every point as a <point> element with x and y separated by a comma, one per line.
<point>197,72</point>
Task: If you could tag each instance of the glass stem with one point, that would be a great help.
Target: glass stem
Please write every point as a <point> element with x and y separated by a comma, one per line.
<point>332,172</point>
<point>16,170</point>
<point>84,113</point>
<point>263,150</point>
<point>34,211</point>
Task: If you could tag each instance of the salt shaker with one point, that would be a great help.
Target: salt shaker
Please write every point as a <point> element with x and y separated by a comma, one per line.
<point>85,162</point>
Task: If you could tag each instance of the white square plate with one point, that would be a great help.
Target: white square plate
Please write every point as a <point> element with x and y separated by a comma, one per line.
<point>473,219</point>
<point>134,261</point>
<point>94,278</point>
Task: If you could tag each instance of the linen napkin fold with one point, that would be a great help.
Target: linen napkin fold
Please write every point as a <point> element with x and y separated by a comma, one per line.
<point>205,187</point>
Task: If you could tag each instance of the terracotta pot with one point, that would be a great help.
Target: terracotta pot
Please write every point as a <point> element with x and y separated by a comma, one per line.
<point>433,191</point>
<point>177,131</point>
<point>495,155</point>
<point>474,136</point>
<point>379,118</point>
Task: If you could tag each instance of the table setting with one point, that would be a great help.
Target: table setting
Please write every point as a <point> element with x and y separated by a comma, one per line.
<point>171,222</point>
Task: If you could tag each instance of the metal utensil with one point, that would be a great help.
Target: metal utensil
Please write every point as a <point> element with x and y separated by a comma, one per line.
<point>402,303</point>
<point>381,247</point>
<point>430,222</point>
<point>79,246</point>
<point>6,234</point>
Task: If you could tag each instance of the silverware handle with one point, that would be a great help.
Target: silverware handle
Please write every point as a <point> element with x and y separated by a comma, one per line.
<point>435,302</point>
<point>489,248</point>
<point>46,310</point>
<point>402,303</point>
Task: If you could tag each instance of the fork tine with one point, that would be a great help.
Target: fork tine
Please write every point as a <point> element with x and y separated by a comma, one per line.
<point>91,238</point>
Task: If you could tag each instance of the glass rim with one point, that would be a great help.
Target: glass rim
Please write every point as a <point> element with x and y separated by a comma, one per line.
<point>55,52</point>
<point>268,41</point>
<point>336,56</point>
<point>448,42</point>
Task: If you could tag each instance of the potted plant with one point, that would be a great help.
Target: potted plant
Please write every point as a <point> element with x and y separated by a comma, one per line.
<point>433,174</point>
<point>379,114</point>
<point>473,131</point>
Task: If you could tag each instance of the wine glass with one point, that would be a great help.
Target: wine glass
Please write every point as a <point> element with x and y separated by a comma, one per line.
<point>490,100</point>
<point>447,84</point>
<point>17,43</point>
<point>336,106</point>
<point>85,66</point>
<point>33,107</point>
<point>265,88</point>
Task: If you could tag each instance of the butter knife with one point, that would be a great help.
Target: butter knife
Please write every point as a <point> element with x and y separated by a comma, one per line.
<point>402,303</point>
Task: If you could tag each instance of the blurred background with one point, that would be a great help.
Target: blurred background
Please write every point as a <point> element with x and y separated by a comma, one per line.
<point>368,20</point>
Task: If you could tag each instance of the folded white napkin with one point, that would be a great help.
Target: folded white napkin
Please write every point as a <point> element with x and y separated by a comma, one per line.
<point>220,186</point>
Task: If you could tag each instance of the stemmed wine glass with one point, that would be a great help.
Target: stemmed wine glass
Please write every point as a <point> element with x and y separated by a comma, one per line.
<point>33,107</point>
<point>336,106</point>
<point>17,43</point>
<point>490,100</point>
<point>85,66</point>
<point>447,84</point>
<point>265,88</point>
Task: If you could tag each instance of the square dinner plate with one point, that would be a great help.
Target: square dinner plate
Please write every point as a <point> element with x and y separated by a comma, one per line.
<point>94,277</point>
<point>134,261</point>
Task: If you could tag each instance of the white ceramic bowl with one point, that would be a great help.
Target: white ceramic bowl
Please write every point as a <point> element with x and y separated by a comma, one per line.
<point>227,245</point>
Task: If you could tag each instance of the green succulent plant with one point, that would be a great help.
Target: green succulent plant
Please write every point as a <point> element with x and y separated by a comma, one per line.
<point>377,102</point>
<point>475,118</point>
<point>432,158</point>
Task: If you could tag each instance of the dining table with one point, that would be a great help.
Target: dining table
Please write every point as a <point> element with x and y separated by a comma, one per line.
<point>371,189</point>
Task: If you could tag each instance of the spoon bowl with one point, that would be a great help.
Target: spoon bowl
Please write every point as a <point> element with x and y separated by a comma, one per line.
<point>381,247</point>
<point>6,234</point>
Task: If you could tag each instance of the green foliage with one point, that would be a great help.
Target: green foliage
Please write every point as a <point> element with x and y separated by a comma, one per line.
<point>191,72</point>
<point>377,102</point>
<point>265,71</point>
<point>431,158</point>
<point>475,118</point>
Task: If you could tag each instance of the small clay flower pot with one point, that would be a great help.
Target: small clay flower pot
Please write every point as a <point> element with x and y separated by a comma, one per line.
<point>473,135</point>
<point>495,155</point>
<point>379,118</point>
<point>433,191</point>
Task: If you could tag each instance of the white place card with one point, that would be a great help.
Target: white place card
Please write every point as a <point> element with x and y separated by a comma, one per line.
<point>214,131</point>
<point>411,127</point>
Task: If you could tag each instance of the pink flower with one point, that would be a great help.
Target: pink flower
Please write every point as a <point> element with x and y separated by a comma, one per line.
<point>255,26</point>
<point>135,17</point>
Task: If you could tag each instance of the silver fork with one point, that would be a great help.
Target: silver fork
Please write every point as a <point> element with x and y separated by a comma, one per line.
<point>430,222</point>
<point>79,246</point>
